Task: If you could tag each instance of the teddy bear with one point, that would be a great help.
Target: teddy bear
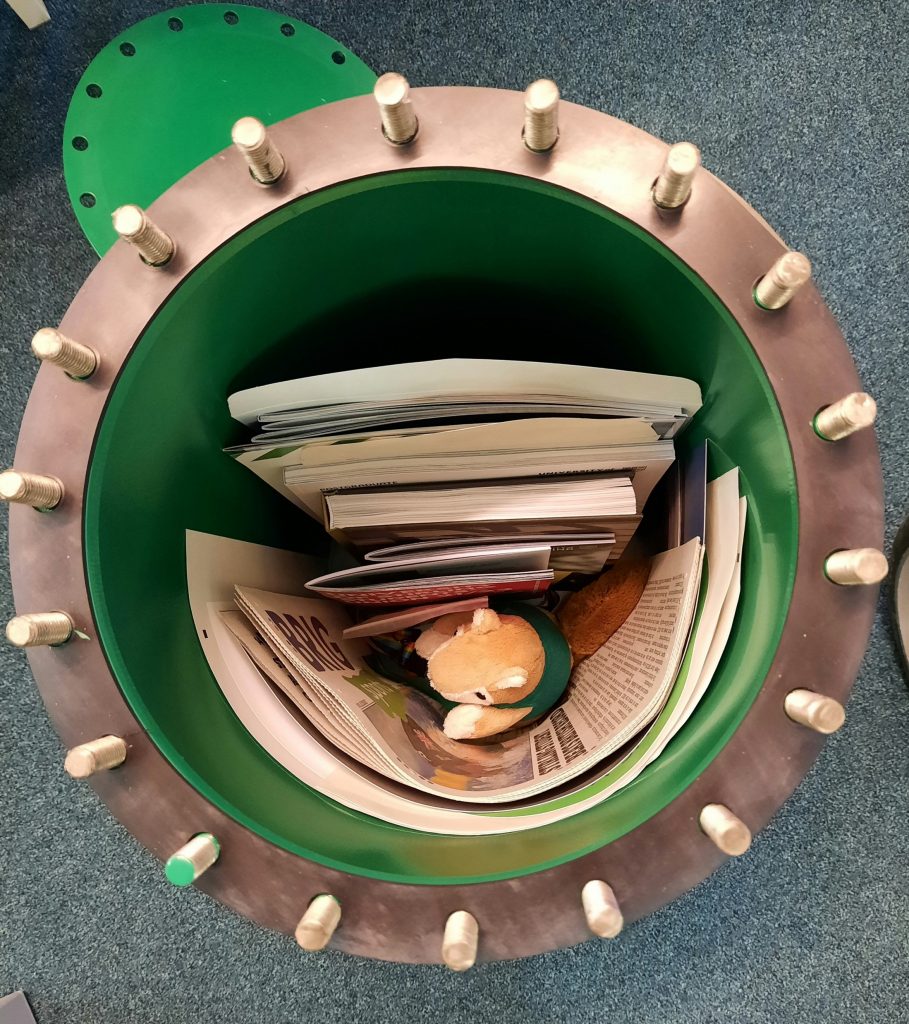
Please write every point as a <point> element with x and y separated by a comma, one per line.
<point>502,669</point>
<point>509,667</point>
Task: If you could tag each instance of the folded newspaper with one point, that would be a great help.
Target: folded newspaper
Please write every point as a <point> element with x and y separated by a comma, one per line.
<point>397,731</point>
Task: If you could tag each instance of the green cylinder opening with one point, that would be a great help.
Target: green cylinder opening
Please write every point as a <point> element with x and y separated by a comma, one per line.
<point>387,269</point>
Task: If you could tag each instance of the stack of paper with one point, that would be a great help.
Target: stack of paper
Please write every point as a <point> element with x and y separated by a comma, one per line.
<point>337,440</point>
<point>354,741</point>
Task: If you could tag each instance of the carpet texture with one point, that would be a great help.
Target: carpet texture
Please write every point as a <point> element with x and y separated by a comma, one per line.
<point>800,107</point>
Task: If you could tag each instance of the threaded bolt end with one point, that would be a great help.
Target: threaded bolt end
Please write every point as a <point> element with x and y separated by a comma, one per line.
<point>39,629</point>
<point>783,280</point>
<point>318,924</point>
<point>98,755</point>
<point>856,411</point>
<point>50,346</point>
<point>673,186</point>
<point>541,115</point>
<point>856,567</point>
<point>41,492</point>
<point>399,122</point>
<point>251,138</point>
<point>133,225</point>
<point>461,940</point>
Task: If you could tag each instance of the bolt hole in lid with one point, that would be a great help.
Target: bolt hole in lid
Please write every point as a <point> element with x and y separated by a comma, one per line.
<point>206,61</point>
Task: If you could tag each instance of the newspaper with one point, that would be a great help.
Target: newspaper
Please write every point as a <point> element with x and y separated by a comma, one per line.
<point>612,696</point>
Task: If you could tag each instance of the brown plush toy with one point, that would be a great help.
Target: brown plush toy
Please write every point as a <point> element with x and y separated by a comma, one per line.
<point>590,617</point>
<point>500,658</point>
<point>500,670</point>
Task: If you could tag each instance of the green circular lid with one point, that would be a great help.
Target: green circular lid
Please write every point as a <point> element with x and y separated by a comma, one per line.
<point>161,98</point>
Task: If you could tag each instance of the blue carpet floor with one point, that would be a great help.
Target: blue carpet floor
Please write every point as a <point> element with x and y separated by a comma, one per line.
<point>800,106</point>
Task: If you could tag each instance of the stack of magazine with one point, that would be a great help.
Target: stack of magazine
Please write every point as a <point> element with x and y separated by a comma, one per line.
<point>445,485</point>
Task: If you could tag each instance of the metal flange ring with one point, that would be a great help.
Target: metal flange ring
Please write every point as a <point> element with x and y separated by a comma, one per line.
<point>757,754</point>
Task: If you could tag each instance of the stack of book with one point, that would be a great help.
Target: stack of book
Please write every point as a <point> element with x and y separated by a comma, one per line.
<point>459,466</point>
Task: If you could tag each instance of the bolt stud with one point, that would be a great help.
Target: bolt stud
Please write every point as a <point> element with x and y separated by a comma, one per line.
<point>318,924</point>
<point>856,567</point>
<point>251,138</point>
<point>856,411</point>
<point>192,859</point>
<point>459,944</point>
<point>815,711</point>
<point>40,629</point>
<point>782,280</point>
<point>602,910</point>
<point>50,346</point>
<point>133,225</point>
<point>541,115</point>
<point>399,122</point>
<point>98,755</point>
<point>727,832</point>
<point>673,186</point>
<point>41,492</point>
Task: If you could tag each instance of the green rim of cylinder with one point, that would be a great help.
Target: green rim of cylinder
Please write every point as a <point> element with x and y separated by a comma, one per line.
<point>387,269</point>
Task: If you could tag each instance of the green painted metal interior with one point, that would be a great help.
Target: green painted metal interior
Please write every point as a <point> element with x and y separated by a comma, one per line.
<point>388,269</point>
<point>191,71</point>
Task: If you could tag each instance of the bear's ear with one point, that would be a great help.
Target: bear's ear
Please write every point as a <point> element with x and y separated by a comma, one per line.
<point>511,678</point>
<point>485,620</point>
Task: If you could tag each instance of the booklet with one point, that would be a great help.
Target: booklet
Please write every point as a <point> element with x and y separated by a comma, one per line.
<point>471,381</point>
<point>435,576</point>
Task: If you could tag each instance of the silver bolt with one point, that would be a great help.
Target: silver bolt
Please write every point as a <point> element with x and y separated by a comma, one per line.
<point>727,832</point>
<point>41,492</point>
<point>399,122</point>
<point>814,710</point>
<point>850,414</point>
<point>856,566</point>
<point>541,115</point>
<point>39,629</point>
<point>673,186</point>
<point>459,944</point>
<point>95,756</point>
<point>192,859</point>
<point>50,346</point>
<point>782,280</point>
<point>250,136</point>
<point>133,225</point>
<point>602,910</point>
<point>318,924</point>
